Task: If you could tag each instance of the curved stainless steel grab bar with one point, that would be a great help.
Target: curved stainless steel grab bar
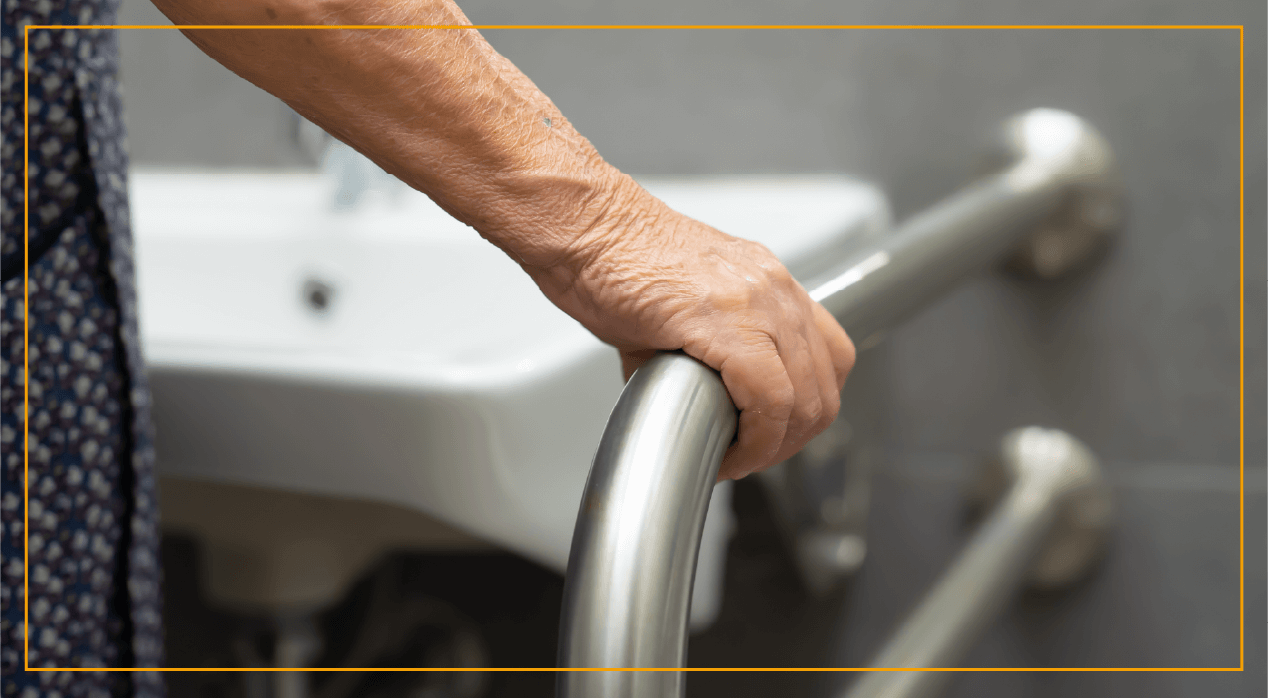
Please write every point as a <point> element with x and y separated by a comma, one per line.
<point>632,563</point>
<point>1050,525</point>
<point>630,574</point>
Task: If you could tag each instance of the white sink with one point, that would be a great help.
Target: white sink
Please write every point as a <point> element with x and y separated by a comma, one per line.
<point>437,377</point>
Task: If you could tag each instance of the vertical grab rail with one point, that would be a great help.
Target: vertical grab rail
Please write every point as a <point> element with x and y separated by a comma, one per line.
<point>632,564</point>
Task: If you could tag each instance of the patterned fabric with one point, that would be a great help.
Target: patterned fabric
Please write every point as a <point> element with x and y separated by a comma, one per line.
<point>94,576</point>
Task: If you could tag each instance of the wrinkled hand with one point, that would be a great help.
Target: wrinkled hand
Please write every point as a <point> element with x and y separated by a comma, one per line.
<point>646,278</point>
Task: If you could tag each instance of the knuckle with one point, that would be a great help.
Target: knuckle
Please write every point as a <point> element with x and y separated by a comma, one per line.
<point>780,401</point>
<point>829,414</point>
<point>756,250</point>
<point>832,404</point>
<point>763,257</point>
<point>811,411</point>
<point>848,351</point>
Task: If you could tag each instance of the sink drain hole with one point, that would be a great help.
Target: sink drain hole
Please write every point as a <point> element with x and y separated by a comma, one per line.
<point>318,295</point>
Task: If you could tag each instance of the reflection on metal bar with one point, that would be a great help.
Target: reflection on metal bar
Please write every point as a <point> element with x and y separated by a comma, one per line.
<point>632,563</point>
<point>630,573</point>
<point>1050,526</point>
<point>933,252</point>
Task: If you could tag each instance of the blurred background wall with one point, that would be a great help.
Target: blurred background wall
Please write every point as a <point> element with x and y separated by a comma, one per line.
<point>1138,357</point>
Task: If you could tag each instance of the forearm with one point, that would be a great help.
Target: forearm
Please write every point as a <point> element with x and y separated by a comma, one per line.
<point>438,108</point>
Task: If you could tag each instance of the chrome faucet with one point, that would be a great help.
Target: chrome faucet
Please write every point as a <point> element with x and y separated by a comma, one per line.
<point>354,173</point>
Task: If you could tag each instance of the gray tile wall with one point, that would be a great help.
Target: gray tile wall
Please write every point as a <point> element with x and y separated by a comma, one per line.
<point>1139,356</point>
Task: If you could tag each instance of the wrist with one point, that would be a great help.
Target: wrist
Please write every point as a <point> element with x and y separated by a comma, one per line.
<point>558,225</point>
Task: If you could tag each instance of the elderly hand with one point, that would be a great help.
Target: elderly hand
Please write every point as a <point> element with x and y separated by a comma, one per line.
<point>440,109</point>
<point>647,278</point>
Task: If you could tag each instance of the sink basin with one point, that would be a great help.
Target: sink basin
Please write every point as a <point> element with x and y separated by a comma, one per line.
<point>388,353</point>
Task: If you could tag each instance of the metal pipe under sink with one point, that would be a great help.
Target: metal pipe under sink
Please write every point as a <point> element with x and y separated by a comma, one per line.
<point>632,563</point>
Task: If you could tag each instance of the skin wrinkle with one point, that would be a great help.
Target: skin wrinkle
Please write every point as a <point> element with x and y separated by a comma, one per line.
<point>641,279</point>
<point>449,116</point>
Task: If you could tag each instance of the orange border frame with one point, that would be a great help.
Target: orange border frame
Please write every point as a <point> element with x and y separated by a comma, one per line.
<point>1242,264</point>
